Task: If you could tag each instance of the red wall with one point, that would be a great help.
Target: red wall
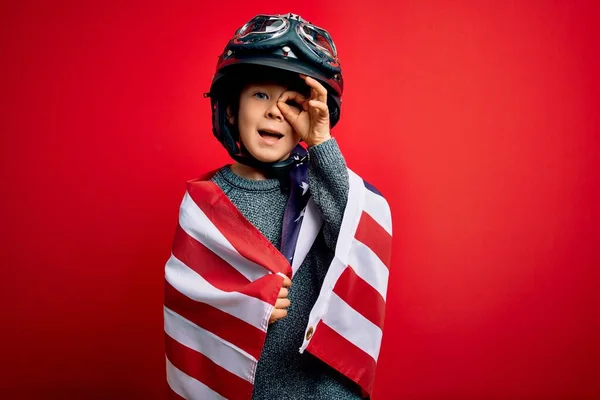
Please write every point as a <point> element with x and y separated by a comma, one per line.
<point>478,120</point>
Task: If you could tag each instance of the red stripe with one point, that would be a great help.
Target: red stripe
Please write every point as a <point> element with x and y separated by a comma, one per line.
<point>226,326</point>
<point>361,296</point>
<point>240,232</point>
<point>206,263</point>
<point>342,355</point>
<point>218,272</point>
<point>201,368</point>
<point>370,233</point>
<point>171,395</point>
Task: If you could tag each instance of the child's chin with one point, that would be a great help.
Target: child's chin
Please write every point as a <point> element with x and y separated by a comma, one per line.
<point>270,158</point>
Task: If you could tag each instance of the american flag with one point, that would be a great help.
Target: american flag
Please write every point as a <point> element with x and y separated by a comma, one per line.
<point>224,276</point>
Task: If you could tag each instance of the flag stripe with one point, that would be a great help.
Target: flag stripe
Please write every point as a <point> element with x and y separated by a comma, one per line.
<point>354,327</point>
<point>361,296</point>
<point>337,351</point>
<point>193,220</point>
<point>171,394</point>
<point>216,271</point>
<point>247,308</point>
<point>378,208</point>
<point>352,214</point>
<point>187,387</point>
<point>201,368</point>
<point>221,352</point>
<point>229,221</point>
<point>370,233</point>
<point>311,224</point>
<point>206,263</point>
<point>369,267</point>
<point>227,327</point>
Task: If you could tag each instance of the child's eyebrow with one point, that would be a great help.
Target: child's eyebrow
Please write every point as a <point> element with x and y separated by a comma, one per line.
<point>259,86</point>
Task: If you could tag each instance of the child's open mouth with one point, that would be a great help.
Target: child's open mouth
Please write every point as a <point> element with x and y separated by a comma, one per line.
<point>264,133</point>
<point>270,136</point>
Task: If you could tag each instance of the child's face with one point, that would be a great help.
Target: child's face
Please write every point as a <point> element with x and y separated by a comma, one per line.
<point>264,131</point>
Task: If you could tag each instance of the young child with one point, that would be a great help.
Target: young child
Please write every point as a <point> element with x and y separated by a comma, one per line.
<point>257,239</point>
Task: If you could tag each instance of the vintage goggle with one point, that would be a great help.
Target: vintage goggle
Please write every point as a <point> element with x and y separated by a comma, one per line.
<point>267,27</point>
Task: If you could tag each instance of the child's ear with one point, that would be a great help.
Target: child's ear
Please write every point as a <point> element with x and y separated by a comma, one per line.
<point>230,117</point>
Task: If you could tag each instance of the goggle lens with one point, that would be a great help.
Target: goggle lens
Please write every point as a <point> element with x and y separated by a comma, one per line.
<point>319,38</point>
<point>260,28</point>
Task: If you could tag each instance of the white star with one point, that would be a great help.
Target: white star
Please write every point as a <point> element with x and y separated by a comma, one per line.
<point>301,215</point>
<point>304,187</point>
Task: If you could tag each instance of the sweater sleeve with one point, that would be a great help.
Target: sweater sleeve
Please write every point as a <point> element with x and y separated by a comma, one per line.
<point>329,186</point>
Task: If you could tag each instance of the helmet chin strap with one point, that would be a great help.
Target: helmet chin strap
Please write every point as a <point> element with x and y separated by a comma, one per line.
<point>273,170</point>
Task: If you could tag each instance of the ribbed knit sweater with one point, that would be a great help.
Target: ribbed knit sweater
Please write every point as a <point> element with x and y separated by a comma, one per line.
<point>282,372</point>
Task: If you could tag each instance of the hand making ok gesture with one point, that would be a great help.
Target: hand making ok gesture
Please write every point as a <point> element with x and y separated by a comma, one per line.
<point>311,119</point>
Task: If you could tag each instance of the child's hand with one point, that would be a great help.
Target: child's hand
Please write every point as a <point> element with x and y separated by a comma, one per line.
<point>311,119</point>
<point>282,302</point>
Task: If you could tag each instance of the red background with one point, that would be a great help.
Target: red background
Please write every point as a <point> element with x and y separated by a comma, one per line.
<point>478,120</point>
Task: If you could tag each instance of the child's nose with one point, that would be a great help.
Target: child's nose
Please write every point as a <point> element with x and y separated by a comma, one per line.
<point>274,112</point>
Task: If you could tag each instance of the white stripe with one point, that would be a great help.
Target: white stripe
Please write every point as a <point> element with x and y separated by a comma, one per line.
<point>188,387</point>
<point>369,267</point>
<point>352,215</point>
<point>196,224</point>
<point>221,352</point>
<point>378,208</point>
<point>311,224</point>
<point>358,330</point>
<point>194,286</point>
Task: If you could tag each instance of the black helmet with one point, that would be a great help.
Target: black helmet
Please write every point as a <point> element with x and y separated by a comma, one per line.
<point>274,43</point>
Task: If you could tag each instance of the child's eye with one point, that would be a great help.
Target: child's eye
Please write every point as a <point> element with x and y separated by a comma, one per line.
<point>261,95</point>
<point>295,104</point>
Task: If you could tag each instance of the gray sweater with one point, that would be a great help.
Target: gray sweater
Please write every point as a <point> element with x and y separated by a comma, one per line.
<point>282,372</point>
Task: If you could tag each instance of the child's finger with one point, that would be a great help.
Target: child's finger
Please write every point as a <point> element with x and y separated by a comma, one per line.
<point>321,108</point>
<point>316,85</point>
<point>277,315</point>
<point>288,113</point>
<point>291,95</point>
<point>282,303</point>
<point>287,282</point>
<point>283,293</point>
